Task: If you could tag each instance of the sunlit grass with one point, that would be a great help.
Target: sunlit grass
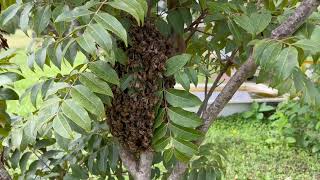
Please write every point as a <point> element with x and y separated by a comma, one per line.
<point>250,157</point>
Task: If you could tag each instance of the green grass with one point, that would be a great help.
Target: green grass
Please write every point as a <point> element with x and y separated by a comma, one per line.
<point>249,157</point>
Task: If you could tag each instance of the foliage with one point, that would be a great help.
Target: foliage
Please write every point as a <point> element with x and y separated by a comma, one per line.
<point>297,125</point>
<point>257,111</point>
<point>251,157</point>
<point>66,135</point>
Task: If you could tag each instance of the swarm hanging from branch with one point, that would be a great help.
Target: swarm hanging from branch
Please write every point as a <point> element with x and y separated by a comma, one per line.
<point>132,114</point>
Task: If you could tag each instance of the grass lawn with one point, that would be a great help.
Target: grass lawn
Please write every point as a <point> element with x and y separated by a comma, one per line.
<point>249,157</point>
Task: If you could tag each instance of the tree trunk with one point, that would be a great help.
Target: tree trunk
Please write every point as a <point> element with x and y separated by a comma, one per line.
<point>140,169</point>
<point>4,175</point>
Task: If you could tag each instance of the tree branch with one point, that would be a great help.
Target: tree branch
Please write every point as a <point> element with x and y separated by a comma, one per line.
<point>4,175</point>
<point>196,24</point>
<point>248,68</point>
<point>215,84</point>
<point>213,87</point>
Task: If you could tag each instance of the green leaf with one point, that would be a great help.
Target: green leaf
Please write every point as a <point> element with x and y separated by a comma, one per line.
<point>16,137</point>
<point>181,98</point>
<point>79,172</point>
<point>182,78</point>
<point>87,43</point>
<point>103,159</point>
<point>56,87</point>
<point>245,22</point>
<point>290,140</point>
<point>61,141</point>
<point>167,154</point>
<point>103,70</point>
<point>112,24</point>
<point>184,132</point>
<point>9,77</point>
<point>269,55</point>
<point>236,33</point>
<point>175,19</point>
<point>203,4</point>
<point>315,148</point>
<point>308,45</point>
<point>41,57</point>
<point>61,27</point>
<point>34,94</point>
<point>286,62</point>
<point>61,126</point>
<point>159,119</point>
<point>84,97</point>
<point>193,75</point>
<point>139,7</point>
<point>68,49</point>
<point>30,61</point>
<point>260,21</point>
<point>161,144</point>
<point>7,54</point>
<point>8,94</point>
<point>24,160</point>
<point>160,132</point>
<point>181,156</point>
<point>120,56</point>
<point>254,24</point>
<point>184,118</point>
<point>24,18</point>
<point>95,84</point>
<point>144,5</point>
<point>114,155</point>
<point>185,147</point>
<point>175,63</point>
<point>72,15</point>
<point>9,13</point>
<point>201,174</point>
<point>265,108</point>
<point>29,133</point>
<point>210,174</point>
<point>76,114</point>
<point>163,27</point>
<point>129,6</point>
<point>101,36</point>
<point>14,159</point>
<point>42,19</point>
<point>258,49</point>
<point>193,174</point>
<point>55,54</point>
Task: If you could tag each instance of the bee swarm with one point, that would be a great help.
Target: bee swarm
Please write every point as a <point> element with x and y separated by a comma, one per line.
<point>132,114</point>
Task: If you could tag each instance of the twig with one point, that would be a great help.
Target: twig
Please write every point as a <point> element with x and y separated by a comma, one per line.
<point>203,32</point>
<point>41,160</point>
<point>196,24</point>
<point>216,82</point>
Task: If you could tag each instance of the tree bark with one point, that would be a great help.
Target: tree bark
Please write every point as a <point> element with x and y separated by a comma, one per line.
<point>140,169</point>
<point>4,175</point>
<point>287,28</point>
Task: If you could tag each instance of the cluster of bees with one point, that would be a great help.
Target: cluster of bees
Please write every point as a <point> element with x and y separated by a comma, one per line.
<point>132,114</point>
